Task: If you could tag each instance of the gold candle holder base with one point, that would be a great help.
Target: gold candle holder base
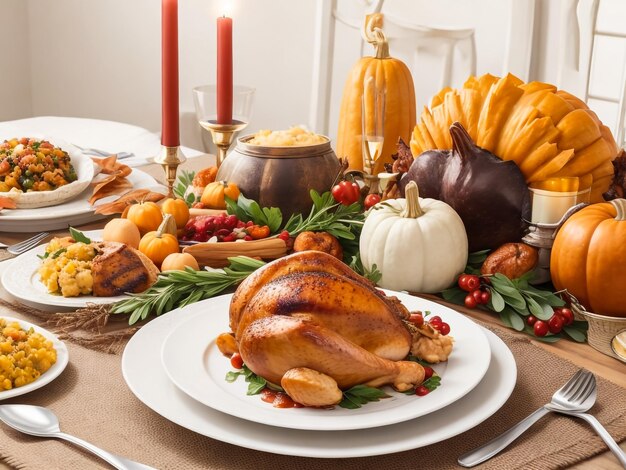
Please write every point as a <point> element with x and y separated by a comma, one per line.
<point>223,135</point>
<point>169,158</point>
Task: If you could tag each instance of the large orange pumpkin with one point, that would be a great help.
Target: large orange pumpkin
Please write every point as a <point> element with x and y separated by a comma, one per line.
<point>389,74</point>
<point>589,255</point>
<point>546,132</point>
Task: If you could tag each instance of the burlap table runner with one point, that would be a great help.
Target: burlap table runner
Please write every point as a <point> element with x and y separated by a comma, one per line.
<point>92,401</point>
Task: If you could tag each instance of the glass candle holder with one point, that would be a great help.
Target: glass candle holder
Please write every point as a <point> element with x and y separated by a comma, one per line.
<point>223,134</point>
<point>552,198</point>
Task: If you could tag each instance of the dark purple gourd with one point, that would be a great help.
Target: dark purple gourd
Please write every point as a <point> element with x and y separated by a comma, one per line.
<point>489,194</point>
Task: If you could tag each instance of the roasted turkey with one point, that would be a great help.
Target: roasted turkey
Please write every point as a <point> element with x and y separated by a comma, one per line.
<point>314,326</point>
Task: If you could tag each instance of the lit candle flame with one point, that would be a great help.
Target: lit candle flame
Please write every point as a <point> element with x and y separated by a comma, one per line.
<point>227,8</point>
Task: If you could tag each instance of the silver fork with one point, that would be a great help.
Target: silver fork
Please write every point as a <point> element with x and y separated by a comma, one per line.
<point>28,244</point>
<point>572,396</point>
<point>103,153</point>
<point>602,432</point>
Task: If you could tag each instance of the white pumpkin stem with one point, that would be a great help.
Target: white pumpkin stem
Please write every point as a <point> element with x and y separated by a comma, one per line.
<point>412,195</point>
<point>620,207</point>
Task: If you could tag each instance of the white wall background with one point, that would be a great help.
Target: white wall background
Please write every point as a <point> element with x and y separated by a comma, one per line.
<point>101,59</point>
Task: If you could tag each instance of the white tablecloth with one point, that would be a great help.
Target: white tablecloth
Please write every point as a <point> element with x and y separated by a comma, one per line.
<point>109,136</point>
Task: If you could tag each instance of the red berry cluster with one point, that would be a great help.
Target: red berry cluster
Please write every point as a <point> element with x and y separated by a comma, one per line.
<point>222,226</point>
<point>436,322</point>
<point>478,294</point>
<point>562,316</point>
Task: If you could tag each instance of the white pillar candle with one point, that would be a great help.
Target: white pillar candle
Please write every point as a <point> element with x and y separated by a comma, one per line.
<point>548,207</point>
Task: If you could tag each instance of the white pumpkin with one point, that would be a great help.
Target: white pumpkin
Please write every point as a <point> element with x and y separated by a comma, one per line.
<point>418,245</point>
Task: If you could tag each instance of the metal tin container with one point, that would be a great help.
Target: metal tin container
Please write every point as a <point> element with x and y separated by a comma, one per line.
<point>281,176</point>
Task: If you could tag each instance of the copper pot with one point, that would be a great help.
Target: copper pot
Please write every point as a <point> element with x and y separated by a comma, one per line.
<point>281,176</point>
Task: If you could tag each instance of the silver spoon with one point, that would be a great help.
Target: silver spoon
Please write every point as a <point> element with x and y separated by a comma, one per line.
<point>41,422</point>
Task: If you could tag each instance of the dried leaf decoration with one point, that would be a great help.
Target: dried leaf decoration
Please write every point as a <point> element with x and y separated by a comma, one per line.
<point>132,197</point>
<point>7,203</point>
<point>618,185</point>
<point>115,182</point>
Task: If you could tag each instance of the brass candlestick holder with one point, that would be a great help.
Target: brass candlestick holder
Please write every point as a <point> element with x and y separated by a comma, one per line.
<point>541,236</point>
<point>223,135</point>
<point>169,158</point>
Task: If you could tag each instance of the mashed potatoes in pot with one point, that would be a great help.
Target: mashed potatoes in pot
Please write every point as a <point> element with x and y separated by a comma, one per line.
<point>293,137</point>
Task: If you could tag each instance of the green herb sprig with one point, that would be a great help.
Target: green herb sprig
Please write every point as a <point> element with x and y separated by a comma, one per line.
<point>249,210</point>
<point>373,274</point>
<point>183,181</point>
<point>79,236</point>
<point>256,383</point>
<point>515,299</point>
<point>175,289</point>
<point>328,215</point>
<point>359,395</point>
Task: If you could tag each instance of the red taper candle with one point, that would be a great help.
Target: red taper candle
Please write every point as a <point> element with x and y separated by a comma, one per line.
<point>224,70</point>
<point>170,136</point>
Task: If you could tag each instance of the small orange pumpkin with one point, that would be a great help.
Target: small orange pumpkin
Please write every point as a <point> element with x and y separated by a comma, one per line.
<point>178,261</point>
<point>178,209</point>
<point>122,231</point>
<point>589,255</point>
<point>157,244</point>
<point>145,215</point>
<point>213,194</point>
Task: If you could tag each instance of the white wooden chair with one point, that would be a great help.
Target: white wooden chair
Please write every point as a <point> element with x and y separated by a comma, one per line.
<point>577,67</point>
<point>447,54</point>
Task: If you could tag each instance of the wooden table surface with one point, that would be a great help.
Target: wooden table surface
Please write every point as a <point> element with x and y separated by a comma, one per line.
<point>582,355</point>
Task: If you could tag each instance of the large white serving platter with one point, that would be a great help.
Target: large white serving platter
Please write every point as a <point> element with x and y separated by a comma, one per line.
<point>195,365</point>
<point>21,280</point>
<point>75,212</point>
<point>152,386</point>
<point>50,374</point>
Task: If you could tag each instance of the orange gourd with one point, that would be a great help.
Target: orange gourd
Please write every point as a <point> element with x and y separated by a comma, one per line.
<point>388,74</point>
<point>157,244</point>
<point>589,255</point>
<point>546,132</point>
<point>122,231</point>
<point>147,216</point>
<point>178,261</point>
<point>178,209</point>
<point>213,194</point>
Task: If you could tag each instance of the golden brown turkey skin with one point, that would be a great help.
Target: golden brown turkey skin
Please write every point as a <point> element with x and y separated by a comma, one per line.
<point>348,308</point>
<point>271,346</point>
<point>304,261</point>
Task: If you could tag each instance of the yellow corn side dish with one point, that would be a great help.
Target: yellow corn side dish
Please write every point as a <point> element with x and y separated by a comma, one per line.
<point>66,269</point>
<point>24,355</point>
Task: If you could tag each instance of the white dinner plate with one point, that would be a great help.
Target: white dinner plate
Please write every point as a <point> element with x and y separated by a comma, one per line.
<point>195,365</point>
<point>21,280</point>
<point>146,378</point>
<point>49,375</point>
<point>75,212</point>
